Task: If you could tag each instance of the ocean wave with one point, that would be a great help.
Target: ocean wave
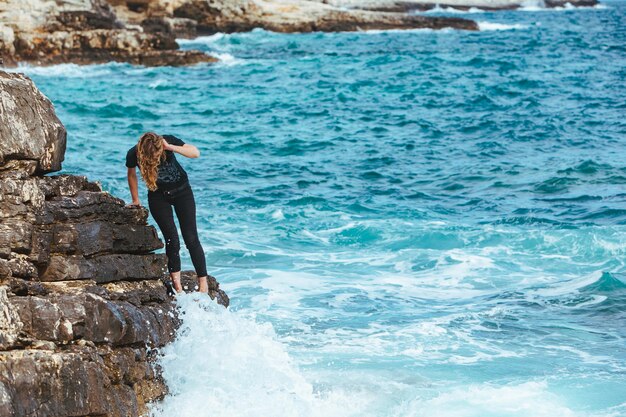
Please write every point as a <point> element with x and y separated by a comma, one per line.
<point>513,400</point>
<point>227,59</point>
<point>489,26</point>
<point>450,9</point>
<point>223,363</point>
<point>387,31</point>
<point>538,6</point>
<point>205,40</point>
<point>69,70</point>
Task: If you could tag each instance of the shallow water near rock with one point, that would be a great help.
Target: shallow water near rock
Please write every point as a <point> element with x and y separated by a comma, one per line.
<point>408,223</point>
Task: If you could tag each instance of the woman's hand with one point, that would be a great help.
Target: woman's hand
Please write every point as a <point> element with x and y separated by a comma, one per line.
<point>134,204</point>
<point>167,146</point>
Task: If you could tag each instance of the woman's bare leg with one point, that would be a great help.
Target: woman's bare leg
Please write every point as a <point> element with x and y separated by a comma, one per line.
<point>203,285</point>
<point>176,280</point>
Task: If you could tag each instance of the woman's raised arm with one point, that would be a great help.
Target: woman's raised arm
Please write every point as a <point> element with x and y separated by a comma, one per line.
<point>187,149</point>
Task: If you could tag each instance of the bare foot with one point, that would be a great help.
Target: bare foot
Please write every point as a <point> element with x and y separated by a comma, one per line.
<point>203,285</point>
<point>176,281</point>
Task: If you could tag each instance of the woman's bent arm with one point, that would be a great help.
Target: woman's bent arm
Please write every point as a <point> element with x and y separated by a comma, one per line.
<point>187,149</point>
<point>132,184</point>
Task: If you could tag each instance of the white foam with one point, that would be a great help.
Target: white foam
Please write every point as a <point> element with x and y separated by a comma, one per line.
<point>439,9</point>
<point>278,215</point>
<point>225,364</point>
<point>205,40</point>
<point>539,6</point>
<point>227,59</point>
<point>66,70</point>
<point>521,400</point>
<point>488,26</point>
<point>417,30</point>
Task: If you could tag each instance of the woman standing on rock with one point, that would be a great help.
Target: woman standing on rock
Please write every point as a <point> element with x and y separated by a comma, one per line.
<point>168,186</point>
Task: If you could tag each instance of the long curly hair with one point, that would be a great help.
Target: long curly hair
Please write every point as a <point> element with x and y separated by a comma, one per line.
<point>150,153</point>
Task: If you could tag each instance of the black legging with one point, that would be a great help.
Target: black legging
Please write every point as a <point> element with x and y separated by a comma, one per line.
<point>160,204</point>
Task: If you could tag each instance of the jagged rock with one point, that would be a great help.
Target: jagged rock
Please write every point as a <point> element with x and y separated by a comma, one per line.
<point>66,185</point>
<point>25,112</point>
<point>42,319</point>
<point>47,383</point>
<point>16,235</point>
<point>21,267</point>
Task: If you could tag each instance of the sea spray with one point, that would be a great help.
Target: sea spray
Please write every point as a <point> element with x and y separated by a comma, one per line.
<point>224,363</point>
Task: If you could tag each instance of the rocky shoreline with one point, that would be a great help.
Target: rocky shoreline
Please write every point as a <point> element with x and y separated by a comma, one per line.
<point>144,32</point>
<point>82,301</point>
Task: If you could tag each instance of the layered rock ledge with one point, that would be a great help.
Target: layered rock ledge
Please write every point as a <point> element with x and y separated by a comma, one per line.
<point>47,32</point>
<point>83,308</point>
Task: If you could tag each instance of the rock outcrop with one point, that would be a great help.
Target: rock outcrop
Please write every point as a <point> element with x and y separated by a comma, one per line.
<point>205,17</point>
<point>144,32</point>
<point>47,32</point>
<point>82,301</point>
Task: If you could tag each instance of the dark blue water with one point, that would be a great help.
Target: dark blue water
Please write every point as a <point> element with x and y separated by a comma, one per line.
<point>433,223</point>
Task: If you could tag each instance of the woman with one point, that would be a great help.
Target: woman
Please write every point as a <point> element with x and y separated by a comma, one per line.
<point>168,186</point>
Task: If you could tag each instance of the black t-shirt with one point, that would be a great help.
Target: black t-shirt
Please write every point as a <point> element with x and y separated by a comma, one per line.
<point>170,174</point>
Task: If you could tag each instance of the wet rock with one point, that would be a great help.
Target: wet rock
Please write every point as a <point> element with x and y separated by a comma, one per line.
<point>189,281</point>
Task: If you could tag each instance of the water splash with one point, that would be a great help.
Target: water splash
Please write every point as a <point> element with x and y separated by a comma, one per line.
<point>224,363</point>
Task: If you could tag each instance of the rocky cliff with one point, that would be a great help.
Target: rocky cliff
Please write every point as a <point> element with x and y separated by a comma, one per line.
<point>82,302</point>
<point>144,32</point>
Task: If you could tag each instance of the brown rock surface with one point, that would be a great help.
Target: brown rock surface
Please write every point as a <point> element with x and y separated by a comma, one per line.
<point>83,308</point>
<point>83,32</point>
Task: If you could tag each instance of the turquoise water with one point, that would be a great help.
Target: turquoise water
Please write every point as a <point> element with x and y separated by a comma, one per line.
<point>408,223</point>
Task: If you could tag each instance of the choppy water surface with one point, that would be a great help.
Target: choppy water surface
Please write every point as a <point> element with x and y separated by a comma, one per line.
<point>409,223</point>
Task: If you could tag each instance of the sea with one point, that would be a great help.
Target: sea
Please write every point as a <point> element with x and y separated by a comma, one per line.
<point>408,223</point>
